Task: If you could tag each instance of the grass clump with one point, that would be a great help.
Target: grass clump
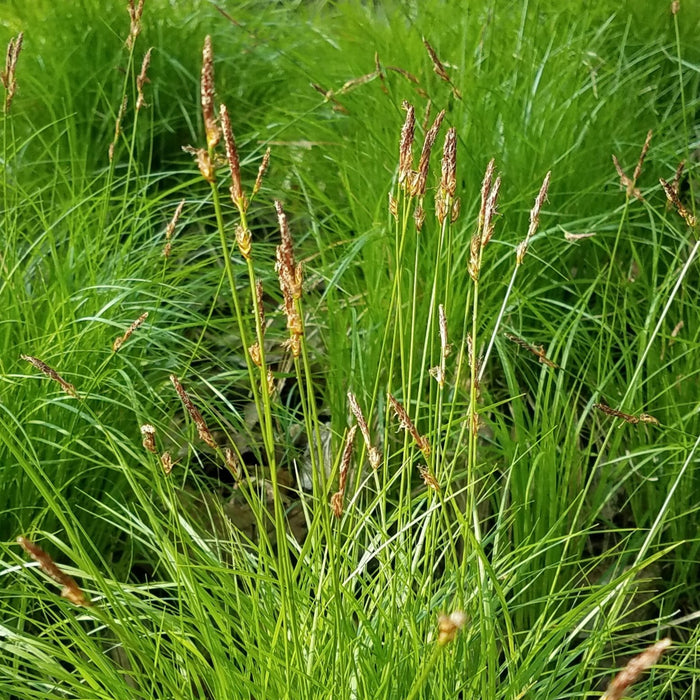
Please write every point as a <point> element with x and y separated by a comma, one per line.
<point>505,314</point>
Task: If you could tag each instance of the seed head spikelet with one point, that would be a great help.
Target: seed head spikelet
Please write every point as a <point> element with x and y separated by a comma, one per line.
<point>70,588</point>
<point>674,199</point>
<point>142,79</point>
<point>373,454</point>
<point>51,373</point>
<point>195,415</point>
<point>237,195</point>
<point>421,176</point>
<point>406,145</point>
<point>338,497</point>
<point>207,95</point>
<point>631,673</point>
<point>135,12</point>
<point>8,77</point>
<point>449,625</point>
<point>129,332</point>
<point>148,433</point>
<point>521,250</point>
<point>264,164</point>
<point>642,155</point>
<point>407,424</point>
<point>170,229</point>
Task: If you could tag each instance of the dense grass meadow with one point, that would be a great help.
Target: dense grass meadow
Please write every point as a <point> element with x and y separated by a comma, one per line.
<point>350,350</point>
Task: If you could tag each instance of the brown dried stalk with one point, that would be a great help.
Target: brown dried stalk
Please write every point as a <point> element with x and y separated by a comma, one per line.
<point>521,250</point>
<point>207,95</point>
<point>7,76</point>
<point>673,197</point>
<point>149,437</point>
<point>135,12</point>
<point>70,588</point>
<point>338,497</point>
<point>195,415</point>
<point>537,350</point>
<point>439,69</point>
<point>118,342</point>
<point>406,145</point>
<point>631,673</point>
<point>449,625</point>
<point>117,128</point>
<point>170,229</point>
<point>142,79</point>
<point>51,374</point>
<point>290,275</point>
<point>448,179</point>
<point>406,424</point>
<point>237,195</point>
<point>420,178</point>
<point>373,453</point>
<point>264,164</point>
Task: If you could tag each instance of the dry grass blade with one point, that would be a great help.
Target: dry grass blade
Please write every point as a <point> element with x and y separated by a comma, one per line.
<point>129,332</point>
<point>70,588</point>
<point>195,415</point>
<point>631,673</point>
<point>51,374</point>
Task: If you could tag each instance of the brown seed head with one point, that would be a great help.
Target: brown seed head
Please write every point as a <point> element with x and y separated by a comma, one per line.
<point>373,454</point>
<point>449,625</point>
<point>642,155</point>
<point>207,94</point>
<point>406,145</point>
<point>149,437</point>
<point>406,424</point>
<point>428,479</point>
<point>237,195</point>
<point>521,250</point>
<point>142,79</point>
<point>166,461</point>
<point>255,356</point>
<point>491,212</point>
<point>195,415</point>
<point>264,164</point>
<point>135,12</point>
<point>673,197</point>
<point>7,76</point>
<point>170,228</point>
<point>70,588</point>
<point>421,177</point>
<point>675,7</point>
<point>393,206</point>
<point>129,332</point>
<point>117,128</point>
<point>485,190</point>
<point>51,374</point>
<point>437,64</point>
<point>419,217</point>
<point>232,463</point>
<point>631,673</point>
<point>244,239</point>
<point>337,503</point>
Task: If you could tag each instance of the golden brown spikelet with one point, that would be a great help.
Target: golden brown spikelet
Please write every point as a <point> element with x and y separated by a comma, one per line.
<point>420,178</point>
<point>135,12</point>
<point>428,479</point>
<point>407,424</point>
<point>207,95</point>
<point>448,179</point>
<point>149,437</point>
<point>674,199</point>
<point>195,415</point>
<point>170,229</point>
<point>290,276</point>
<point>373,454</point>
<point>630,184</point>
<point>642,155</point>
<point>8,76</point>
<point>51,374</point>
<point>264,164</point>
<point>117,128</point>
<point>166,462</point>
<point>631,673</point>
<point>142,79</point>
<point>338,497</point>
<point>521,250</point>
<point>449,625</point>
<point>70,588</point>
<point>129,332</point>
<point>675,7</point>
<point>439,68</point>
<point>406,145</point>
<point>237,195</point>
